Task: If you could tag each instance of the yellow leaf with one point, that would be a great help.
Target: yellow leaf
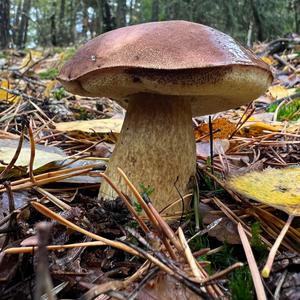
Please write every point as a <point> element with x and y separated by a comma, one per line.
<point>49,87</point>
<point>268,60</point>
<point>279,91</point>
<point>91,126</point>
<point>275,187</point>
<point>30,58</point>
<point>5,95</point>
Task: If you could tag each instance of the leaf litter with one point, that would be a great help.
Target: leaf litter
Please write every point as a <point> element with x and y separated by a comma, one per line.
<point>146,260</point>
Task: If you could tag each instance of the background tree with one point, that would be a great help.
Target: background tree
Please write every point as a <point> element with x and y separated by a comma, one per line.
<point>4,23</point>
<point>68,22</point>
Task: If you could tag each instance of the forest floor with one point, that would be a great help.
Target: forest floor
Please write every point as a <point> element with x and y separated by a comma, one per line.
<point>58,240</point>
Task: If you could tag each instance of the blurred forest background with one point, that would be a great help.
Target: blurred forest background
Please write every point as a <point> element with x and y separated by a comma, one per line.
<point>31,23</point>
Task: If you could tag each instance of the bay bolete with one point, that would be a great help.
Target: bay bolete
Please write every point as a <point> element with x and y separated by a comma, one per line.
<point>163,73</point>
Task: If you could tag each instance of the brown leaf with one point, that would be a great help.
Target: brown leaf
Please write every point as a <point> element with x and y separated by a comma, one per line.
<point>166,287</point>
<point>222,129</point>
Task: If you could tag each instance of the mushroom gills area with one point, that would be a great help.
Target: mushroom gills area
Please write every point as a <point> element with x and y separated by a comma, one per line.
<point>156,148</point>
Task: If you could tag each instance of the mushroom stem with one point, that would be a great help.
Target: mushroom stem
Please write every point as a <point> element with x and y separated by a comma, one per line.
<point>156,148</point>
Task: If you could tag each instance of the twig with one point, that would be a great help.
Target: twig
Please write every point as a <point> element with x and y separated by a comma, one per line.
<point>268,266</point>
<point>222,273</point>
<point>189,256</point>
<point>127,203</point>
<point>62,205</point>
<point>50,214</point>
<point>139,198</point>
<point>43,278</point>
<point>32,151</point>
<point>15,157</point>
<point>259,288</point>
<point>17,250</point>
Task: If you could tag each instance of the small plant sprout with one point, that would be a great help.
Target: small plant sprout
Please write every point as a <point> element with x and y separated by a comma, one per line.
<point>274,187</point>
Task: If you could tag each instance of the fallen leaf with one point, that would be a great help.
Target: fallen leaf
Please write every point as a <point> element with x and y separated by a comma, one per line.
<point>30,58</point>
<point>92,126</point>
<point>43,155</point>
<point>276,187</point>
<point>5,95</point>
<point>219,147</point>
<point>279,91</point>
<point>225,231</point>
<point>269,60</point>
<point>166,287</point>
<point>222,129</point>
<point>49,87</point>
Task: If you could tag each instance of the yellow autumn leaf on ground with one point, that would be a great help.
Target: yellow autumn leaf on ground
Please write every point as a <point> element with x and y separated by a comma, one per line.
<point>275,187</point>
<point>30,58</point>
<point>269,60</point>
<point>91,126</point>
<point>5,95</point>
<point>49,87</point>
<point>250,129</point>
<point>279,91</point>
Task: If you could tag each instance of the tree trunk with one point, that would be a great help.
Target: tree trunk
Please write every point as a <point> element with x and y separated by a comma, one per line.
<point>4,23</point>
<point>257,21</point>
<point>22,30</point>
<point>108,20</point>
<point>85,19</point>
<point>99,17</point>
<point>130,12</point>
<point>297,15</point>
<point>121,13</point>
<point>62,29</point>
<point>53,25</point>
<point>17,21</point>
<point>155,10</point>
<point>230,21</point>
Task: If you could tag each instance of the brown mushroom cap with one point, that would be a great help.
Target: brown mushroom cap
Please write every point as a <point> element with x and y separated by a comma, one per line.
<point>170,58</point>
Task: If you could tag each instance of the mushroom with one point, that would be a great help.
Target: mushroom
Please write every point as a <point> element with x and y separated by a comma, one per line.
<point>163,73</point>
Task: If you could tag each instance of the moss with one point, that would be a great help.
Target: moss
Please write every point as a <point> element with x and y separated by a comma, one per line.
<point>50,74</point>
<point>287,112</point>
<point>59,93</point>
<point>259,247</point>
<point>241,284</point>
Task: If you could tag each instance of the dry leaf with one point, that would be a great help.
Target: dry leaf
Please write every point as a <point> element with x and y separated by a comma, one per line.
<point>219,147</point>
<point>49,87</point>
<point>269,60</point>
<point>279,91</point>
<point>166,287</point>
<point>222,129</point>
<point>92,126</point>
<point>30,58</point>
<point>276,187</point>
<point>225,231</point>
<point>5,95</point>
<point>43,155</point>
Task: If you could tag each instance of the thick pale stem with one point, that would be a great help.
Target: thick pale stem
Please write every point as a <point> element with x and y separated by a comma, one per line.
<point>156,148</point>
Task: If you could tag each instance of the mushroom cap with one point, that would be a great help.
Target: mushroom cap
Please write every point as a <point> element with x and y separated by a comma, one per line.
<point>176,58</point>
